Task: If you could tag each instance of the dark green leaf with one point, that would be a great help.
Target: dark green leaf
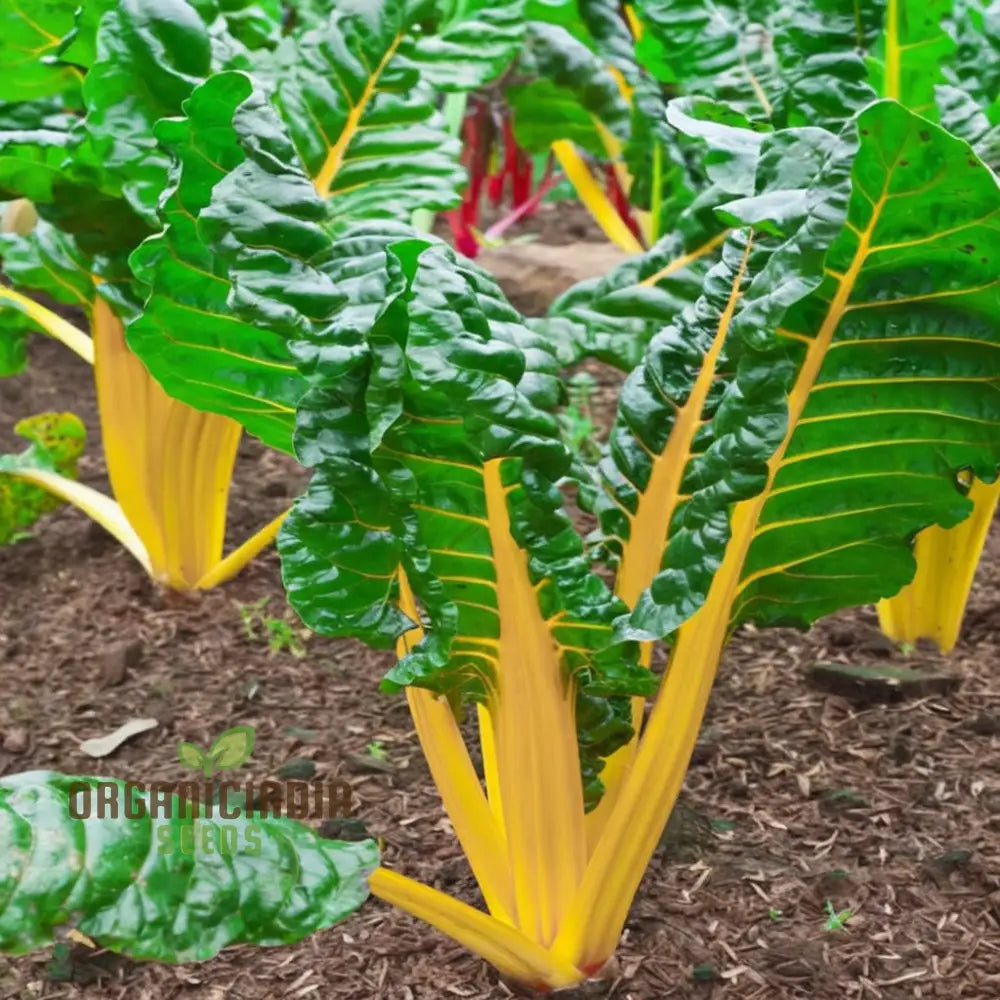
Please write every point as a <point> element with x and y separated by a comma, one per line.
<point>150,55</point>
<point>177,889</point>
<point>419,389</point>
<point>362,121</point>
<point>573,92</point>
<point>238,192</point>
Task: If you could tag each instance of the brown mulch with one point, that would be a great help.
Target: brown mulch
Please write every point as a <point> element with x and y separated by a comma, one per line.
<point>796,799</point>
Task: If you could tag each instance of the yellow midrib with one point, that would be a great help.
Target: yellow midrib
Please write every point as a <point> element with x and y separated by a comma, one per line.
<point>811,365</point>
<point>643,552</point>
<point>334,158</point>
<point>688,258</point>
<point>890,83</point>
<point>479,833</point>
<point>647,540</point>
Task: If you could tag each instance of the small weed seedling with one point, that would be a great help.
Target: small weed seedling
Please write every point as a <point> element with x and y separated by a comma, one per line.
<point>774,914</point>
<point>376,751</point>
<point>278,633</point>
<point>576,421</point>
<point>836,920</point>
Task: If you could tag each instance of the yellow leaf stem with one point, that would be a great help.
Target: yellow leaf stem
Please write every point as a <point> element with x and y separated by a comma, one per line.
<point>593,197</point>
<point>534,731</point>
<point>933,604</point>
<point>54,325</point>
<point>504,947</point>
<point>476,827</point>
<point>648,535</point>
<point>170,465</point>
<point>240,557</point>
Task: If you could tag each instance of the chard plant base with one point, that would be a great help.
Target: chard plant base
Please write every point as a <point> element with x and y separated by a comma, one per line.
<point>759,691</point>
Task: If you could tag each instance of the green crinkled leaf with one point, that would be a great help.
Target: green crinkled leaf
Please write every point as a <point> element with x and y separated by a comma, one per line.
<point>663,182</point>
<point>608,27</point>
<point>409,405</point>
<point>31,35</point>
<point>819,46</point>
<point>90,160</point>
<point>600,25</point>
<point>795,63</point>
<point>49,261</point>
<point>904,399</point>
<point>33,140</point>
<point>911,53</point>
<point>964,118</point>
<point>720,50</point>
<point>57,442</point>
<point>361,119</point>
<point>975,64</point>
<point>13,343</point>
<point>150,55</point>
<point>732,141</point>
<point>80,46</point>
<point>255,25</point>
<point>352,134</point>
<point>573,92</point>
<point>239,192</point>
<point>130,885</point>
<point>914,420</point>
<point>464,44</point>
<point>564,14</point>
<point>615,316</point>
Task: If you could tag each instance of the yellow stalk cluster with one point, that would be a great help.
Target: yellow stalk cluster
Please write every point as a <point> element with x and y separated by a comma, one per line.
<point>558,881</point>
<point>170,465</point>
<point>587,187</point>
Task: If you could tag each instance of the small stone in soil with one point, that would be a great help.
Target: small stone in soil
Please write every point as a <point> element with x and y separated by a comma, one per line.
<point>275,488</point>
<point>984,724</point>
<point>943,865</point>
<point>297,769</point>
<point>118,661</point>
<point>16,740</point>
<point>687,833</point>
<point>881,682</point>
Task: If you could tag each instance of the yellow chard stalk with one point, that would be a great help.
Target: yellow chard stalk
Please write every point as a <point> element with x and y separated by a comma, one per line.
<point>170,465</point>
<point>933,605</point>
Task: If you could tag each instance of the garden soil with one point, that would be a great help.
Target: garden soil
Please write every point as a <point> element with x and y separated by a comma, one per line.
<point>798,805</point>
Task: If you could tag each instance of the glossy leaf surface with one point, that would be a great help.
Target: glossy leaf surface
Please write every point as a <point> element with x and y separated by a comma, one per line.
<point>175,888</point>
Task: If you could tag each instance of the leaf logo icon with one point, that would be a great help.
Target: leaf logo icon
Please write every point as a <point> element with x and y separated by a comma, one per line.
<point>191,756</point>
<point>230,750</point>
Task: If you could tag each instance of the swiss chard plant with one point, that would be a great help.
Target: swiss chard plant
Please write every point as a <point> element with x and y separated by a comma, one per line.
<point>596,74</point>
<point>829,394</point>
<point>83,88</point>
<point>804,62</point>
